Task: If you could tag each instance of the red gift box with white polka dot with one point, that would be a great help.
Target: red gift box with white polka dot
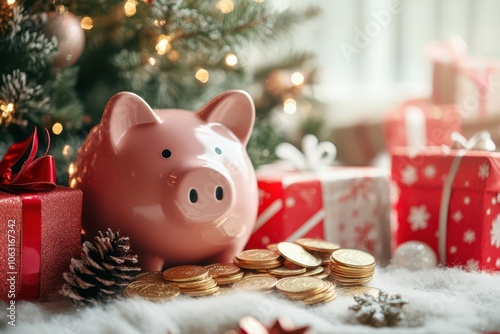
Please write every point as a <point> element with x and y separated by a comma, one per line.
<point>346,205</point>
<point>472,237</point>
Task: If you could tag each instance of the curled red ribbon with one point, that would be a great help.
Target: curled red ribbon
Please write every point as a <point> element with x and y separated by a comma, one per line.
<point>34,175</point>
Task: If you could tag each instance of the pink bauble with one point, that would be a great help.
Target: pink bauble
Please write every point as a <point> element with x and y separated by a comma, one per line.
<point>70,38</point>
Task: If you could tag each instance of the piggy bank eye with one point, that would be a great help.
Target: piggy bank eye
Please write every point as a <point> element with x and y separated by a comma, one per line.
<point>218,151</point>
<point>166,153</point>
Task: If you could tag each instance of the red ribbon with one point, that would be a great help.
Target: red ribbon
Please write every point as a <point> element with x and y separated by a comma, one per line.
<point>35,175</point>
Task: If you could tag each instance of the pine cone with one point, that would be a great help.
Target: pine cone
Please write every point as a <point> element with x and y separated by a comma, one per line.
<point>382,311</point>
<point>106,267</point>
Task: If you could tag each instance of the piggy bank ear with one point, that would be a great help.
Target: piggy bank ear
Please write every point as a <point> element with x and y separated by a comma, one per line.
<point>124,111</point>
<point>234,109</point>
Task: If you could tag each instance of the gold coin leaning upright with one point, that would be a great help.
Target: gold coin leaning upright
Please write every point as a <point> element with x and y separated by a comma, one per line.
<point>256,283</point>
<point>222,269</point>
<point>317,245</point>
<point>185,273</point>
<point>298,255</point>
<point>353,258</point>
<point>298,285</point>
<point>154,291</point>
<point>258,255</point>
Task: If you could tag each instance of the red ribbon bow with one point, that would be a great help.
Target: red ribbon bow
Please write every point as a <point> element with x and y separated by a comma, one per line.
<point>35,174</point>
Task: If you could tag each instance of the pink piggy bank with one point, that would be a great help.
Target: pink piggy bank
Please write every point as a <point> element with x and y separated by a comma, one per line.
<point>180,184</point>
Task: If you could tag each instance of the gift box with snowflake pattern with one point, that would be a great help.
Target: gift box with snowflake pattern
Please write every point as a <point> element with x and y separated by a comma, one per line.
<point>450,199</point>
<point>346,205</point>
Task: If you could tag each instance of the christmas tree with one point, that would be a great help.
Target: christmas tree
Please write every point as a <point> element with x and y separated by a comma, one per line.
<point>62,60</point>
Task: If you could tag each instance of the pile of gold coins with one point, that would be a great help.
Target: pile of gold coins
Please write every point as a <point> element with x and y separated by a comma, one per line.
<point>351,267</point>
<point>306,271</point>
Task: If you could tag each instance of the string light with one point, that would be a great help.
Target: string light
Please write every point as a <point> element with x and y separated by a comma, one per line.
<point>11,2</point>
<point>7,112</point>
<point>87,23</point>
<point>152,61</point>
<point>163,44</point>
<point>57,128</point>
<point>225,6</point>
<point>72,184</point>
<point>129,8</point>
<point>66,151</point>
<point>297,78</point>
<point>173,56</point>
<point>290,106</point>
<point>202,75</point>
<point>71,169</point>
<point>231,59</point>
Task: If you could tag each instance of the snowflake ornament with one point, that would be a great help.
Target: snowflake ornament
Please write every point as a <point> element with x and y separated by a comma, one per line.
<point>484,171</point>
<point>495,232</point>
<point>419,217</point>
<point>409,175</point>
<point>380,311</point>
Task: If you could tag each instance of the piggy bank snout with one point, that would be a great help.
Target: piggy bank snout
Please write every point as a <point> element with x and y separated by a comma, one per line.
<point>204,195</point>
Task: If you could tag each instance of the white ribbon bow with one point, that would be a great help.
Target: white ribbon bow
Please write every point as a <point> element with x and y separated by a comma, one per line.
<point>479,141</point>
<point>315,157</point>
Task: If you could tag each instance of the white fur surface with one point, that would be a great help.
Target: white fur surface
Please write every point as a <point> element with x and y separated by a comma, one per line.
<point>440,301</point>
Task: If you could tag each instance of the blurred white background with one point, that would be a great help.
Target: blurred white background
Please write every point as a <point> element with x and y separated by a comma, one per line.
<point>370,53</point>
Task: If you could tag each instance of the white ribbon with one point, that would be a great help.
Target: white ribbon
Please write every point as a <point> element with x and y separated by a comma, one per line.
<point>479,141</point>
<point>315,155</point>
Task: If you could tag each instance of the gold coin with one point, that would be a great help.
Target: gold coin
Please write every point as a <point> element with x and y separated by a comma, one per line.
<point>258,255</point>
<point>229,279</point>
<point>323,298</point>
<point>359,291</point>
<point>153,276</point>
<point>298,255</point>
<point>317,245</point>
<point>256,283</point>
<point>224,291</point>
<point>285,271</point>
<point>301,284</point>
<point>154,291</point>
<point>222,269</point>
<point>322,275</point>
<point>207,286</point>
<point>255,265</point>
<point>185,273</point>
<point>207,281</point>
<point>344,273</point>
<point>353,258</point>
<point>203,292</point>
<point>272,247</point>
<point>313,271</point>
<point>325,285</point>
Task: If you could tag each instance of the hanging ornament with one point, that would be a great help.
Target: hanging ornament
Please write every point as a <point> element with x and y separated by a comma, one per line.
<point>70,36</point>
<point>414,255</point>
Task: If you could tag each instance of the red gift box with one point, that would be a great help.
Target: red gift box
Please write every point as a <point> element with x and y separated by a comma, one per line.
<point>418,123</point>
<point>41,232</point>
<point>40,225</point>
<point>346,205</point>
<point>457,215</point>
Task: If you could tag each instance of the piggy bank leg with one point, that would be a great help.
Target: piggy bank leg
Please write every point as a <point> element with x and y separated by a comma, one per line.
<point>151,263</point>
